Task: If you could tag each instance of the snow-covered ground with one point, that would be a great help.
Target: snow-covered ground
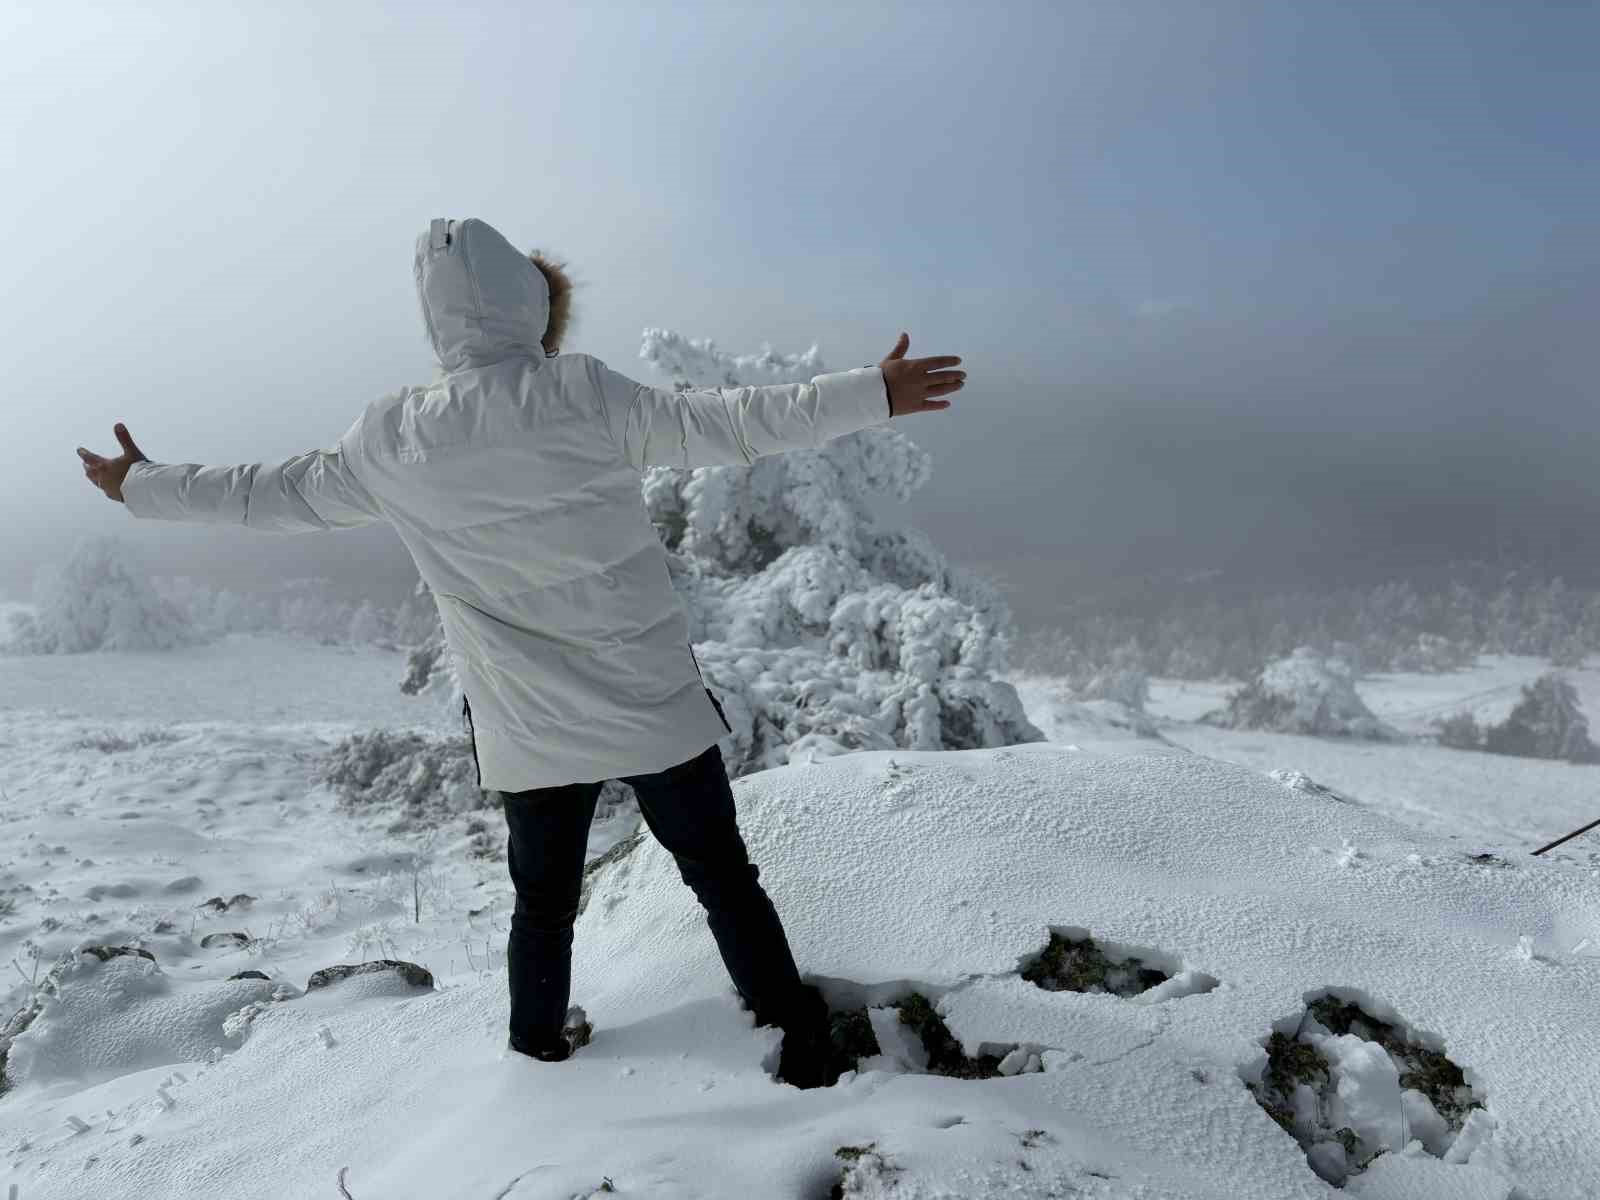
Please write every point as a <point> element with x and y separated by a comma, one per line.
<point>138,786</point>
<point>1409,702</point>
<point>1482,799</point>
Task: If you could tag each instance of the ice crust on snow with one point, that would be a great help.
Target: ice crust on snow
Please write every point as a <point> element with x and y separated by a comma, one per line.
<point>943,872</point>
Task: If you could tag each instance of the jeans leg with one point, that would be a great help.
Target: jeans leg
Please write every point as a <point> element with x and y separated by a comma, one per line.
<point>690,810</point>
<point>549,835</point>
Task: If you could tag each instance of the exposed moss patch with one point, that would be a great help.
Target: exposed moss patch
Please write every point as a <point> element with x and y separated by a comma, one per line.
<point>945,1056</point>
<point>1080,965</point>
<point>851,1039</point>
<point>1426,1070</point>
<point>1295,1061</point>
<point>852,1036</point>
<point>864,1167</point>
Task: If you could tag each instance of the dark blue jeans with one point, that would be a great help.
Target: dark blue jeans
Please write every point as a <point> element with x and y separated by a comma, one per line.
<point>689,808</point>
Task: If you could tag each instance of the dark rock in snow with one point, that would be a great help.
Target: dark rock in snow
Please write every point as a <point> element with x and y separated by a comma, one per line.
<point>418,977</point>
<point>218,904</point>
<point>115,891</point>
<point>231,938</point>
<point>103,953</point>
<point>248,975</point>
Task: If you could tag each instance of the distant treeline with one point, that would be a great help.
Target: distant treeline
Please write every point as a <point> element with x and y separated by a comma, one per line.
<point>1192,632</point>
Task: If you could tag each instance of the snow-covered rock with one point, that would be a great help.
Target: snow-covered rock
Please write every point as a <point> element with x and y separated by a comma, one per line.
<point>103,1017</point>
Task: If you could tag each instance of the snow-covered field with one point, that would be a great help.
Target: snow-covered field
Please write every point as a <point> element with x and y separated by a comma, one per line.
<point>139,786</point>
<point>1480,799</point>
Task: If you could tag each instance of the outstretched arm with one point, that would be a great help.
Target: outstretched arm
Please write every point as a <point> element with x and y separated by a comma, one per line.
<point>312,491</point>
<point>658,427</point>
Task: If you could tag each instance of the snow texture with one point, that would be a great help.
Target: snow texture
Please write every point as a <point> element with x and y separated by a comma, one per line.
<point>939,872</point>
<point>124,1014</point>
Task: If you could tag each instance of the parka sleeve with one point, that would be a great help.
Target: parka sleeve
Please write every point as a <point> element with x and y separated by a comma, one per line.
<point>701,427</point>
<point>313,491</point>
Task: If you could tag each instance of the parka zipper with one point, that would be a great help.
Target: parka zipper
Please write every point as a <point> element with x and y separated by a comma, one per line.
<point>714,702</point>
<point>466,711</point>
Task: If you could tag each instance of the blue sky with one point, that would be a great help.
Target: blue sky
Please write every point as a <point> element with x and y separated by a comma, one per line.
<point>1177,243</point>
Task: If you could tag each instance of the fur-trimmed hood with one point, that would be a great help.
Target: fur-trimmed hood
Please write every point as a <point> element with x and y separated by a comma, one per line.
<point>482,299</point>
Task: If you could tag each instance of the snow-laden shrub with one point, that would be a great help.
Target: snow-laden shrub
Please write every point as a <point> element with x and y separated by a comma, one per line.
<point>1303,693</point>
<point>302,607</point>
<point>1546,723</point>
<point>1122,680</point>
<point>216,611</point>
<point>98,600</point>
<point>1433,655</point>
<point>425,779</point>
<point>1460,732</point>
<point>369,625</point>
<point>819,632</point>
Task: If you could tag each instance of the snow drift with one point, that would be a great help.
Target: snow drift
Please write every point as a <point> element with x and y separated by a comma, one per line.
<point>945,874</point>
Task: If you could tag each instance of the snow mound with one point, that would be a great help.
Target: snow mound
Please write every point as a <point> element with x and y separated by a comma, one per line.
<point>1304,693</point>
<point>945,875</point>
<point>1065,716</point>
<point>101,1019</point>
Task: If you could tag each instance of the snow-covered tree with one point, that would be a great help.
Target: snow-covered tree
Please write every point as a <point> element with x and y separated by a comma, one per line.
<point>1546,723</point>
<point>819,631</point>
<point>216,611</point>
<point>1122,680</point>
<point>98,600</point>
<point>1303,693</point>
<point>368,625</point>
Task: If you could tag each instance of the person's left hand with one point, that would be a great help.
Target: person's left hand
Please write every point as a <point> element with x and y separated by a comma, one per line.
<point>107,474</point>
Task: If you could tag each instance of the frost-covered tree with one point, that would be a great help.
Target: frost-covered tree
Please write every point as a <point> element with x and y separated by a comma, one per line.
<point>1460,732</point>
<point>1304,693</point>
<point>819,631</point>
<point>368,625</point>
<point>98,600</point>
<point>1546,723</point>
<point>216,611</point>
<point>1122,680</point>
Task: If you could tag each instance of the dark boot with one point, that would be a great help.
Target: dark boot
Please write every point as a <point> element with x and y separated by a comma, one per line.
<point>575,1033</point>
<point>808,1058</point>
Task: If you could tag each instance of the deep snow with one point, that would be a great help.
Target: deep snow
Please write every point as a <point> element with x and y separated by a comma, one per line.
<point>891,869</point>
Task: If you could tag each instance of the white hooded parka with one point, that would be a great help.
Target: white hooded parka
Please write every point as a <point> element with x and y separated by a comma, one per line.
<point>514,481</point>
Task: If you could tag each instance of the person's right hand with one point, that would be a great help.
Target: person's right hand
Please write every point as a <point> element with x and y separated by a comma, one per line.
<point>107,474</point>
<point>914,383</point>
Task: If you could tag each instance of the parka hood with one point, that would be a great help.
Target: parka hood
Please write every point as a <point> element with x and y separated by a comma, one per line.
<point>482,299</point>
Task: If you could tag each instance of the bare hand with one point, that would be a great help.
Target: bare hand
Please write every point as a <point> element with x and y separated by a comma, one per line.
<point>107,474</point>
<point>914,382</point>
